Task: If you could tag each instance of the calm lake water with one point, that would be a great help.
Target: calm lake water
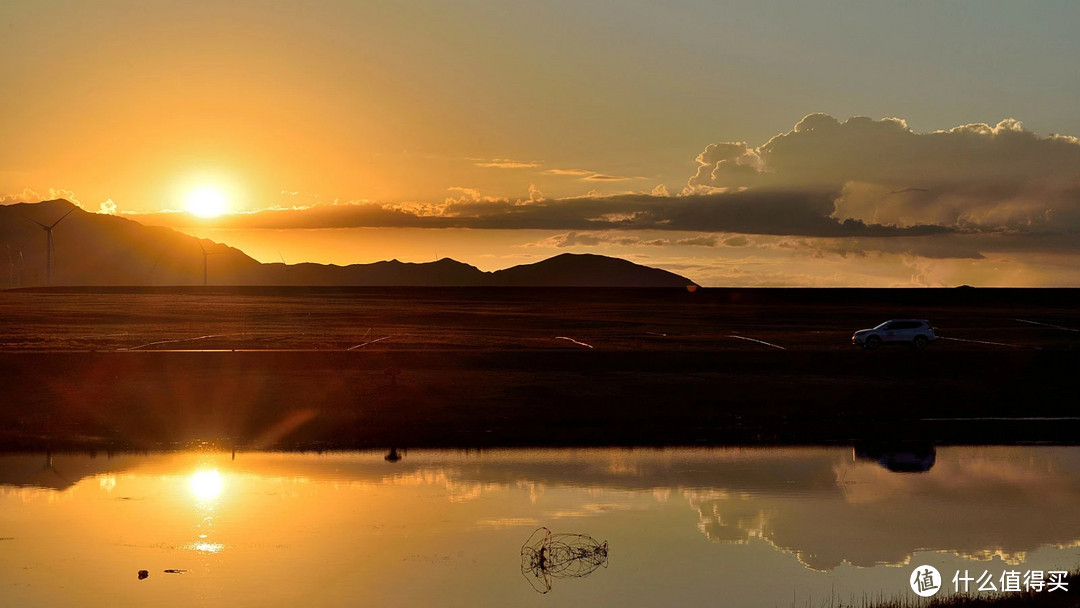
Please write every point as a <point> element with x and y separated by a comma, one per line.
<point>738,527</point>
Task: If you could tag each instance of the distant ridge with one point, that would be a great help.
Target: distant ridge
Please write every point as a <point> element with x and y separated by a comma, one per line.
<point>103,250</point>
<point>586,270</point>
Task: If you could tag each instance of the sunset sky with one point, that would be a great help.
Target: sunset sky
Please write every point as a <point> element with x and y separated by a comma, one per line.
<point>736,143</point>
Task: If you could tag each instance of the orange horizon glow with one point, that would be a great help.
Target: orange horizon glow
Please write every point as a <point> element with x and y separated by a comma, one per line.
<point>217,115</point>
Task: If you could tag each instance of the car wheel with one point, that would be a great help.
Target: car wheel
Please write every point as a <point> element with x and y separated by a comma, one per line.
<point>872,342</point>
<point>919,342</point>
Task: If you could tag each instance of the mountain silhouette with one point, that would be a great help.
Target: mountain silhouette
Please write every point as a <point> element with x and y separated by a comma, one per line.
<point>586,270</point>
<point>92,249</point>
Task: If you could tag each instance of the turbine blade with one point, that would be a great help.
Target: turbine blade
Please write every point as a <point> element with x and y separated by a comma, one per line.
<point>62,218</point>
<point>35,221</point>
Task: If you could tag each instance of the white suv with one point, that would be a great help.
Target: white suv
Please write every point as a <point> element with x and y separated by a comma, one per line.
<point>915,332</point>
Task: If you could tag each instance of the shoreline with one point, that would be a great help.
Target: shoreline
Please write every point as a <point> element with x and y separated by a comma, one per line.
<point>478,399</point>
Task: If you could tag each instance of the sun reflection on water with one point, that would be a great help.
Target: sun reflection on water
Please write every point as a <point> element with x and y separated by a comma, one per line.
<point>275,528</point>
<point>207,485</point>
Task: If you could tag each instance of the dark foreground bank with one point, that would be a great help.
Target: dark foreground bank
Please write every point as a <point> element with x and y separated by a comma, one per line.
<point>1024,599</point>
<point>452,367</point>
<point>460,398</point>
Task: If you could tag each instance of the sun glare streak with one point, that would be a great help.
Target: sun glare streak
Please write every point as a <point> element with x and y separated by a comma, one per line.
<point>207,485</point>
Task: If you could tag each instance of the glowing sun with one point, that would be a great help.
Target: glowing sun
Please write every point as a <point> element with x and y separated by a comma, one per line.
<point>207,485</point>
<point>206,201</point>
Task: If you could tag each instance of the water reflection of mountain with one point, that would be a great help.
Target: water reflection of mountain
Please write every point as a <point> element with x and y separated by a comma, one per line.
<point>59,471</point>
<point>820,503</point>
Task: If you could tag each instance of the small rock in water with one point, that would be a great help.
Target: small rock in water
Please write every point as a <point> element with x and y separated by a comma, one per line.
<point>143,574</point>
<point>175,571</point>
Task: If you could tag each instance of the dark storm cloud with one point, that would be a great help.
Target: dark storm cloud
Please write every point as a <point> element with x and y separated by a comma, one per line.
<point>964,246</point>
<point>777,212</point>
<point>861,182</point>
<point>973,176</point>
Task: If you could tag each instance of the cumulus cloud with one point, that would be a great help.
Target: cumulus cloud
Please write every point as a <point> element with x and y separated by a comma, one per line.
<point>825,189</point>
<point>107,208</point>
<point>724,163</point>
<point>29,195</point>
<point>974,176</point>
<point>55,193</point>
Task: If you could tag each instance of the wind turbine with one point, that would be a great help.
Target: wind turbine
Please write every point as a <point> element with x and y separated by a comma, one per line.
<point>150,273</point>
<point>20,265</point>
<point>11,264</point>
<point>204,254</point>
<point>15,263</point>
<point>287,269</point>
<point>49,246</point>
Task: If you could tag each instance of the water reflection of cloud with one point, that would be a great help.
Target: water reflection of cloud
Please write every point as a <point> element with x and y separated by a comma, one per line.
<point>107,482</point>
<point>976,503</point>
<point>32,494</point>
<point>536,490</point>
<point>457,489</point>
<point>509,522</point>
<point>592,510</point>
<point>816,503</point>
